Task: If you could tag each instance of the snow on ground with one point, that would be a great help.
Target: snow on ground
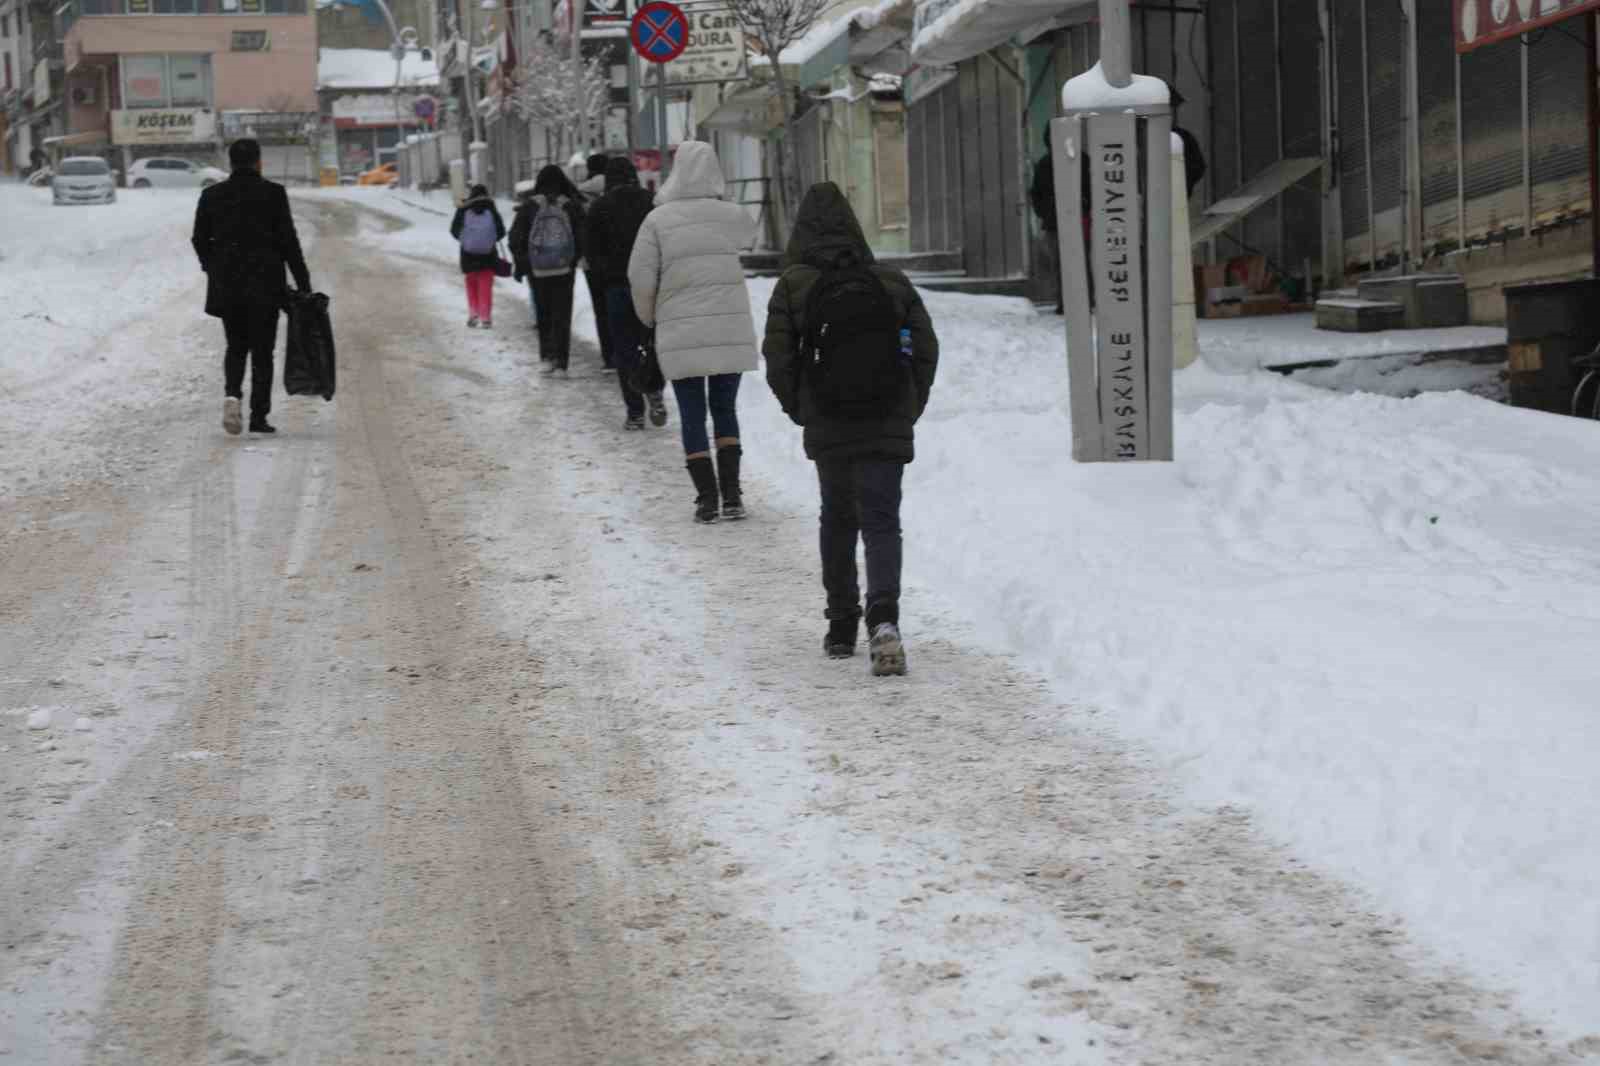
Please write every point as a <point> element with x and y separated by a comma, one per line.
<point>1367,620</point>
<point>1235,345</point>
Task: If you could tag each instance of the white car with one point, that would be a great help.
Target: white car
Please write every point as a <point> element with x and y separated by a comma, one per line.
<point>83,179</point>
<point>166,172</point>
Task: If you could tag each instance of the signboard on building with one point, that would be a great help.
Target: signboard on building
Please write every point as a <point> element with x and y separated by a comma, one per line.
<point>715,50</point>
<point>377,109</point>
<point>41,83</point>
<point>163,125</point>
<point>271,127</point>
<point>249,41</point>
<point>602,11</point>
<point>1481,22</point>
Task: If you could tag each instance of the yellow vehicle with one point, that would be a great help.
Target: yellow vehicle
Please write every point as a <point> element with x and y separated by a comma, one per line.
<point>387,174</point>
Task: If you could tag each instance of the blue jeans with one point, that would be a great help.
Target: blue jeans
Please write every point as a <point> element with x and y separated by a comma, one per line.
<point>719,392</point>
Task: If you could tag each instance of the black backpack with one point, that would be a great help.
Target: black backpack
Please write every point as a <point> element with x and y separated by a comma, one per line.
<point>851,359</point>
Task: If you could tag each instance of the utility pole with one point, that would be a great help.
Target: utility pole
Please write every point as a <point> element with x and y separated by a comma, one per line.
<point>472,88</point>
<point>580,116</point>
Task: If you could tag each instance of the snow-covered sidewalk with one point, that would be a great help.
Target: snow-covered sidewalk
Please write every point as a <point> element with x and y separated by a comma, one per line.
<point>1367,621</point>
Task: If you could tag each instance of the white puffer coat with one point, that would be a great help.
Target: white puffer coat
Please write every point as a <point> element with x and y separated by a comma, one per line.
<point>685,271</point>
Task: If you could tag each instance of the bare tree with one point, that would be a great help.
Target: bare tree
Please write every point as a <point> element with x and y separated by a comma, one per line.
<point>773,25</point>
<point>544,91</point>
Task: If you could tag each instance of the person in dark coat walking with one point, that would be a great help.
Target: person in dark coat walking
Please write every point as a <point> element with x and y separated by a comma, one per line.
<point>472,226</point>
<point>614,221</point>
<point>245,237</point>
<point>1042,195</point>
<point>552,285</point>
<point>595,185</point>
<point>860,461</point>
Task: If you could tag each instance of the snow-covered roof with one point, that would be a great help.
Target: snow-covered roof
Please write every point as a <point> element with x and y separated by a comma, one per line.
<point>371,68</point>
<point>1090,90</point>
<point>948,31</point>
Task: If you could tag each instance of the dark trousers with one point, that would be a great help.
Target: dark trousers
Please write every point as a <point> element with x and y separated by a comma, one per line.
<point>861,498</point>
<point>602,317</point>
<point>719,394</point>
<point>627,334</point>
<point>250,331</point>
<point>554,296</point>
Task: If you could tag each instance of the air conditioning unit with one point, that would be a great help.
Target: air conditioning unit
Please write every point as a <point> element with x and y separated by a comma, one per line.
<point>83,95</point>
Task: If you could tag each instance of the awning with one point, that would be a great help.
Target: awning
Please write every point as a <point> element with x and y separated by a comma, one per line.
<point>949,31</point>
<point>746,111</point>
<point>75,140</point>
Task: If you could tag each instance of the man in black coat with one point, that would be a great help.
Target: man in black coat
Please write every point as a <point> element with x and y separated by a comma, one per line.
<point>245,237</point>
<point>614,222</point>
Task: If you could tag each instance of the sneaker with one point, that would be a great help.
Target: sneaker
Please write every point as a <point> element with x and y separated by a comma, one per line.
<point>232,421</point>
<point>260,425</point>
<point>887,651</point>
<point>634,422</point>
<point>658,409</point>
<point>472,323</point>
<point>485,323</point>
<point>732,510</point>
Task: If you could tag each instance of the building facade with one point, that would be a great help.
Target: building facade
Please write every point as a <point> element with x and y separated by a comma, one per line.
<point>183,77</point>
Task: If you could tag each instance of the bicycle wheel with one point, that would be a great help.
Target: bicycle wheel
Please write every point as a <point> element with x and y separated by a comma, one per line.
<point>1586,397</point>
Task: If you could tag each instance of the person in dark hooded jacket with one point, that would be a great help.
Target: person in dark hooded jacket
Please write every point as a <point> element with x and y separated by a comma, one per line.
<point>860,460</point>
<point>614,221</point>
<point>552,286</point>
<point>478,263</point>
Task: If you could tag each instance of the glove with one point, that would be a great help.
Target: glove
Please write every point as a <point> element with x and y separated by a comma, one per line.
<point>517,275</point>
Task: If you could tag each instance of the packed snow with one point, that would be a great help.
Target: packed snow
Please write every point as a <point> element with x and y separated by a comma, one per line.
<point>1237,345</point>
<point>1364,619</point>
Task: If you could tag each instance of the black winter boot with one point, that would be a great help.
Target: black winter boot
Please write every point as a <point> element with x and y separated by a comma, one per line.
<point>705,483</point>
<point>840,642</point>
<point>728,478</point>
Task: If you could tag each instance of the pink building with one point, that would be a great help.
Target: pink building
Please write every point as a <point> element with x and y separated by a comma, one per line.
<point>183,77</point>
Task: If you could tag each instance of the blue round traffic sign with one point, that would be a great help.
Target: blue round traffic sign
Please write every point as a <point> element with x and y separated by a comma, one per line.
<point>660,32</point>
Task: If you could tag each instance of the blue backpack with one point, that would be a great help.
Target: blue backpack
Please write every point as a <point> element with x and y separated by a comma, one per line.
<point>478,234</point>
<point>551,244</point>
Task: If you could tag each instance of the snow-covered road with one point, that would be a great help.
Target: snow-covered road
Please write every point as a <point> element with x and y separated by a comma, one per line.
<point>432,728</point>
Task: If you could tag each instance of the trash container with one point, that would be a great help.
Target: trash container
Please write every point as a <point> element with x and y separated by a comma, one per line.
<point>1547,326</point>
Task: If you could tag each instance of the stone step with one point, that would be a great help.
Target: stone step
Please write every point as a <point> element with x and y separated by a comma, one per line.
<point>1431,301</point>
<point>1359,316</point>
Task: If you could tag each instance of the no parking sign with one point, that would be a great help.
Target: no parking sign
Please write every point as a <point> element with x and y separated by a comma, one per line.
<point>660,32</point>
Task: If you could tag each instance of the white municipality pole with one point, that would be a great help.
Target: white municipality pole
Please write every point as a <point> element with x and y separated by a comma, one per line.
<point>1116,129</point>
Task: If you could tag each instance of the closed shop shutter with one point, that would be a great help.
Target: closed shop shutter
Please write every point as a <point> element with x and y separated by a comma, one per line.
<point>889,148</point>
<point>917,175</point>
<point>1491,128</point>
<point>1351,115</point>
<point>1258,135</point>
<point>1560,136</point>
<point>1301,203</point>
<point>1386,107</point>
<point>1224,155</point>
<point>1436,86</point>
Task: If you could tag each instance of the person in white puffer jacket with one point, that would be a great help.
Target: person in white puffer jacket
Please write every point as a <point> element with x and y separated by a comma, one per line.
<point>687,283</point>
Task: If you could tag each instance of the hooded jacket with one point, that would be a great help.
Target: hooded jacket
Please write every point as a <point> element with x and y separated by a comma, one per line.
<point>685,271</point>
<point>552,184</point>
<point>479,201</point>
<point>827,236</point>
<point>614,222</point>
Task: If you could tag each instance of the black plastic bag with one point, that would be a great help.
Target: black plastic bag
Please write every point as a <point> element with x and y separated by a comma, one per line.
<point>308,358</point>
<point>643,374</point>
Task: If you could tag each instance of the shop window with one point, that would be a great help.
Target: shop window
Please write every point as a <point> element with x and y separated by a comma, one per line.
<point>166,81</point>
<point>175,7</point>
